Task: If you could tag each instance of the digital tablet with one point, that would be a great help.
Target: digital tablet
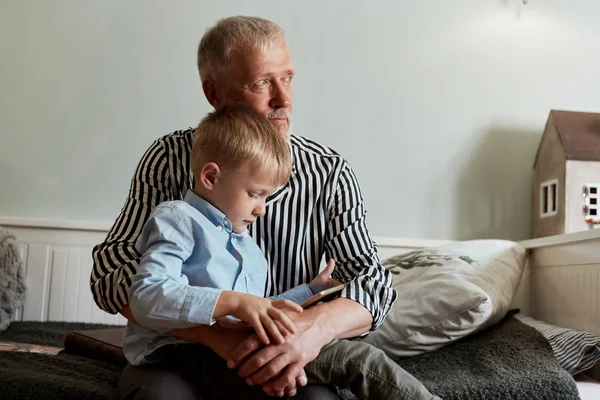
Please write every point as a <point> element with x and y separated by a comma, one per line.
<point>324,295</point>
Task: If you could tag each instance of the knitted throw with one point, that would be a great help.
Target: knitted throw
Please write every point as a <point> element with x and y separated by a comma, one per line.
<point>12,278</point>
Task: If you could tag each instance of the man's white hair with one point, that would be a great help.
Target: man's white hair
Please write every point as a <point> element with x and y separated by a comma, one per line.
<point>232,34</point>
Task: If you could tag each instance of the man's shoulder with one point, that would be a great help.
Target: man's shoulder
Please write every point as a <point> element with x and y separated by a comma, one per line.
<point>176,138</point>
<point>309,146</point>
<point>175,145</point>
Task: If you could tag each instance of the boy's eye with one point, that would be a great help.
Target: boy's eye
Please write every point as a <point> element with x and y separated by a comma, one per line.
<point>253,195</point>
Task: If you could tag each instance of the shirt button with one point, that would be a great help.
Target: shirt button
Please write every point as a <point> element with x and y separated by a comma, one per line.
<point>219,227</point>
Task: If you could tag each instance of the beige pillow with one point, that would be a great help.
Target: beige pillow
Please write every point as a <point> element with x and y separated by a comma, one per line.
<point>448,292</point>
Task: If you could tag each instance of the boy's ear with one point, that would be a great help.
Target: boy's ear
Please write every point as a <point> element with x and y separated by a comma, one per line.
<point>209,175</point>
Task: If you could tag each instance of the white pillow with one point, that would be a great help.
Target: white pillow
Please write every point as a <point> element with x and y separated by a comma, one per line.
<point>448,292</point>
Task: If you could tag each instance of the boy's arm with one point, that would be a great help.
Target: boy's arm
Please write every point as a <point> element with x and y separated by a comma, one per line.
<point>162,299</point>
<point>160,296</point>
<point>303,292</point>
<point>298,294</point>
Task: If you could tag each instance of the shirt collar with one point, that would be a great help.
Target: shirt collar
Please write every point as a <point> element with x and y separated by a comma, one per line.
<point>212,213</point>
<point>292,156</point>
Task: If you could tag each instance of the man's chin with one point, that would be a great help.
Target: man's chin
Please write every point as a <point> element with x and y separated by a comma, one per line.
<point>283,128</point>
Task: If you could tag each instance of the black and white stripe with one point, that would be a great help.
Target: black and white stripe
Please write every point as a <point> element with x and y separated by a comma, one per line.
<point>576,351</point>
<point>318,215</point>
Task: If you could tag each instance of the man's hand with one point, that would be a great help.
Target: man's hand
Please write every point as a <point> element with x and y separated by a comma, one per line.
<point>277,366</point>
<point>284,361</point>
<point>222,341</point>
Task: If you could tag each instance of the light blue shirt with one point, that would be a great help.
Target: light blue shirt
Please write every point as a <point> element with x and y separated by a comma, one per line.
<point>190,255</point>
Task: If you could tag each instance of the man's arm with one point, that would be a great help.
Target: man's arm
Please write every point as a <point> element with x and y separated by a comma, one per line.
<point>222,341</point>
<point>277,366</point>
<point>116,259</point>
<point>349,243</point>
<point>363,305</point>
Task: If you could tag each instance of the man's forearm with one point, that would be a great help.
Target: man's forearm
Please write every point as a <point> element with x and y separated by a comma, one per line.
<point>342,318</point>
<point>221,340</point>
<point>315,328</point>
<point>200,334</point>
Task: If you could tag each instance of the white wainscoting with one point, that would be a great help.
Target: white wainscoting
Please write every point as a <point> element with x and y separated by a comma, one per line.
<point>57,261</point>
<point>561,284</point>
<point>565,280</point>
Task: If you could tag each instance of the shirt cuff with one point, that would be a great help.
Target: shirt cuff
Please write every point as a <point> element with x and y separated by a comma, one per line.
<point>199,305</point>
<point>297,295</point>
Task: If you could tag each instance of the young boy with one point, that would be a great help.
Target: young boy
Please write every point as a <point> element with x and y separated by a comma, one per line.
<point>199,265</point>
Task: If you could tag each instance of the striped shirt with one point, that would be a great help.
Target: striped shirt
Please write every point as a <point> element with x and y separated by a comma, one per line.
<point>319,213</point>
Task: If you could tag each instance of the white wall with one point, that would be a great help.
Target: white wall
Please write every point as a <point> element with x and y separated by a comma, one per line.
<point>439,106</point>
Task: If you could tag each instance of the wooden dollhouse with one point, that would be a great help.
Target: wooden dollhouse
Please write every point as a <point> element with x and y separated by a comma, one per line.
<point>566,183</point>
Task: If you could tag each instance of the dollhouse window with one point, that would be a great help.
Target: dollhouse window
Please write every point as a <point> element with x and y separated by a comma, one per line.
<point>549,198</point>
<point>592,200</point>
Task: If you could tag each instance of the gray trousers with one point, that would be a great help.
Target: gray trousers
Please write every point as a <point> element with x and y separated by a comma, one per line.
<point>192,371</point>
<point>366,370</point>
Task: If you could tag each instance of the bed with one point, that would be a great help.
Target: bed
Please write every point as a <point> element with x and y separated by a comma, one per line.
<point>510,360</point>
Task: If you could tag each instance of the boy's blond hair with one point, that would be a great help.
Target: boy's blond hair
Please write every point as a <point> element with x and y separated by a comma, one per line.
<point>239,137</point>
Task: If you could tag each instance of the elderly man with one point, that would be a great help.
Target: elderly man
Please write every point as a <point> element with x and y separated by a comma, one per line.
<point>319,212</point>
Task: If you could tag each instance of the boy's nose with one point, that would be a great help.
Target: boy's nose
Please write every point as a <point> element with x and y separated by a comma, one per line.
<point>260,210</point>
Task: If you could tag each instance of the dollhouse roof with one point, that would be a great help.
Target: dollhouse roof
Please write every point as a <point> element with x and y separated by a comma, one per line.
<point>579,134</point>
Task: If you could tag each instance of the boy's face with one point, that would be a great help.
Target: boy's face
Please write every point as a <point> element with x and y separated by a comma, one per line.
<point>241,194</point>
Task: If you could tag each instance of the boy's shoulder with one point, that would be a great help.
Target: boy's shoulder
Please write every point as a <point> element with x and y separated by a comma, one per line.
<point>179,208</point>
<point>183,212</point>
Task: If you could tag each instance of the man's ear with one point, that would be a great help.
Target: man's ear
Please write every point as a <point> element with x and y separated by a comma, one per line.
<point>209,175</point>
<point>211,92</point>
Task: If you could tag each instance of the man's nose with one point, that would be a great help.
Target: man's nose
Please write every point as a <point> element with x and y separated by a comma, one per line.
<point>281,96</point>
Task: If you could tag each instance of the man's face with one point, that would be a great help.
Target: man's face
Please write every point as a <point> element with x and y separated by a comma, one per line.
<point>263,81</point>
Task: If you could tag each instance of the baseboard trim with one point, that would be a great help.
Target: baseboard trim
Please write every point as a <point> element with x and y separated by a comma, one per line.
<point>41,223</point>
<point>408,243</point>
<point>91,226</point>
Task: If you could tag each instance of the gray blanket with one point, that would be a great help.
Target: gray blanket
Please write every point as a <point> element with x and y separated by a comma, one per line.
<point>509,361</point>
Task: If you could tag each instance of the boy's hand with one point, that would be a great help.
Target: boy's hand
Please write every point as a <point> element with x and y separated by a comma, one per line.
<point>261,314</point>
<point>323,280</point>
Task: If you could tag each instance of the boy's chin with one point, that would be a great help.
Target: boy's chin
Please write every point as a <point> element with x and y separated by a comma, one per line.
<point>240,229</point>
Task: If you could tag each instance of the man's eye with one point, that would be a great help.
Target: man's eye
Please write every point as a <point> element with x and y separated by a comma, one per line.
<point>262,82</point>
